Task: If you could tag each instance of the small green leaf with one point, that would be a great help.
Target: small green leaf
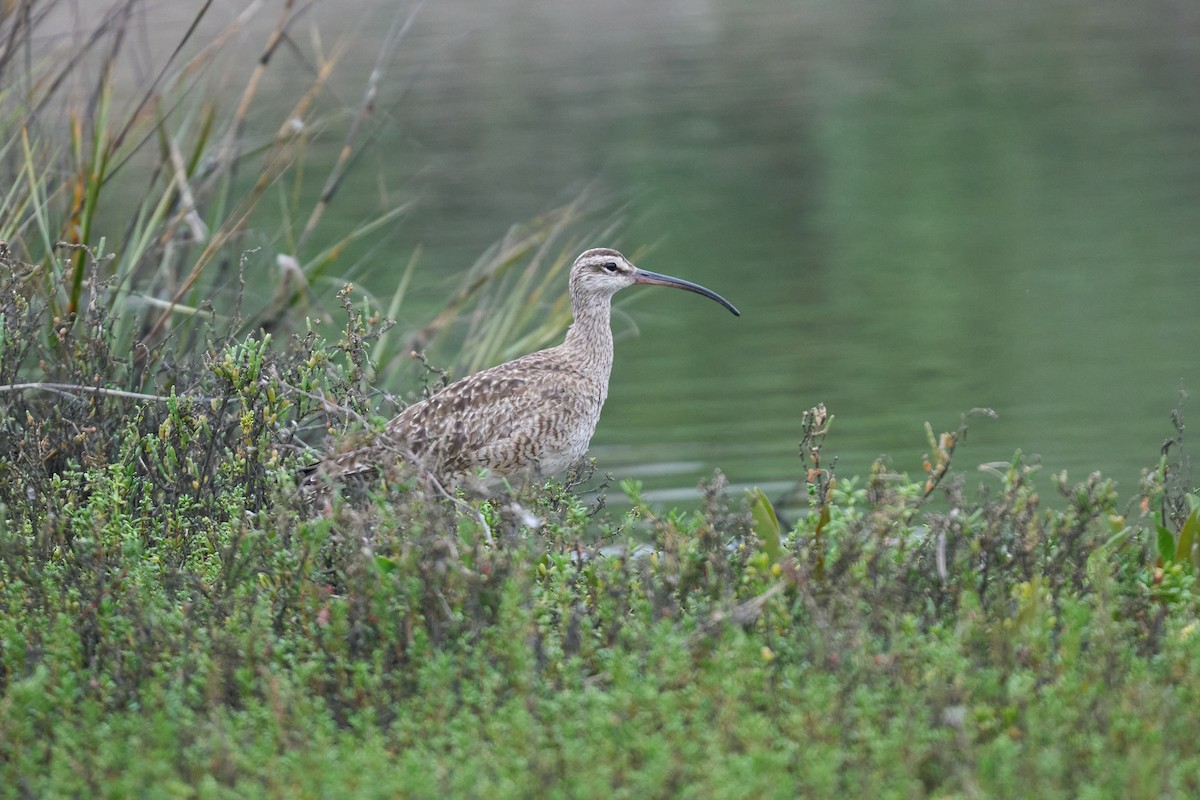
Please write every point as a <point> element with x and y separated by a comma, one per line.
<point>1186,550</point>
<point>632,490</point>
<point>386,565</point>
<point>822,519</point>
<point>766,523</point>
<point>1166,545</point>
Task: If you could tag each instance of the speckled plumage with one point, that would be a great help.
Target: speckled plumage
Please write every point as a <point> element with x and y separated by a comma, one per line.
<point>527,418</point>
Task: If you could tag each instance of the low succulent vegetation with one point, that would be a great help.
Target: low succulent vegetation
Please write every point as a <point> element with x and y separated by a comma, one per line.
<point>175,622</point>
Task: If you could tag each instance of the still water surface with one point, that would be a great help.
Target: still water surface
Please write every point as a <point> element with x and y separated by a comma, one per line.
<point>919,208</point>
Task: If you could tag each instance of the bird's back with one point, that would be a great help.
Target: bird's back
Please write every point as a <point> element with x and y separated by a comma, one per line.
<point>532,416</point>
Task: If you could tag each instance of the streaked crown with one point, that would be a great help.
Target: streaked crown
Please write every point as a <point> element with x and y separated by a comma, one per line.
<point>601,271</point>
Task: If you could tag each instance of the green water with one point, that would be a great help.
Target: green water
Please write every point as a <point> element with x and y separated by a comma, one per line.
<point>919,207</point>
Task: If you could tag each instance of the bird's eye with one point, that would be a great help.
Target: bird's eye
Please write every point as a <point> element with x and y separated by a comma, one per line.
<point>610,266</point>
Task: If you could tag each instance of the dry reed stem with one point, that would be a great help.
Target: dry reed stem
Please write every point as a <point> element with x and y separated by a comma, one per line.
<point>365,110</point>
<point>276,163</point>
<point>226,153</point>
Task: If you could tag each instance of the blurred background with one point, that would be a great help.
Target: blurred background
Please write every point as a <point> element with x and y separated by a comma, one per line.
<point>919,207</point>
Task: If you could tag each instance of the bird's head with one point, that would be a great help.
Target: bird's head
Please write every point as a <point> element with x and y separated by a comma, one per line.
<point>602,272</point>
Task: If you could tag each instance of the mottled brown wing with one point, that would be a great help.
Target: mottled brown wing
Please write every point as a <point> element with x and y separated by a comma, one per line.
<point>503,418</point>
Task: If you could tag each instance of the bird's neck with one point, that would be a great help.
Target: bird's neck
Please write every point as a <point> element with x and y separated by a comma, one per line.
<point>590,336</point>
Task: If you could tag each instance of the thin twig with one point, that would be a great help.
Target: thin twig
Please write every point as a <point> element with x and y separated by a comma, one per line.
<point>462,505</point>
<point>328,405</point>
<point>187,202</point>
<point>942,450</point>
<point>103,391</point>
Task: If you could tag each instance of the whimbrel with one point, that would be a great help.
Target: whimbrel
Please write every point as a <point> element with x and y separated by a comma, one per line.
<point>527,418</point>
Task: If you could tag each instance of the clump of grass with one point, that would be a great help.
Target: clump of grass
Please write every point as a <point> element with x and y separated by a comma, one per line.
<point>158,573</point>
<point>172,282</point>
<point>178,180</point>
<point>180,166</point>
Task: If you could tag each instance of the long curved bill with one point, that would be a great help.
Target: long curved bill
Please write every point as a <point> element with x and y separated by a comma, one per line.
<point>655,279</point>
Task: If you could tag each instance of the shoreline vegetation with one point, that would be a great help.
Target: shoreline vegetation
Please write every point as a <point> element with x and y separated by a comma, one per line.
<point>174,623</point>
